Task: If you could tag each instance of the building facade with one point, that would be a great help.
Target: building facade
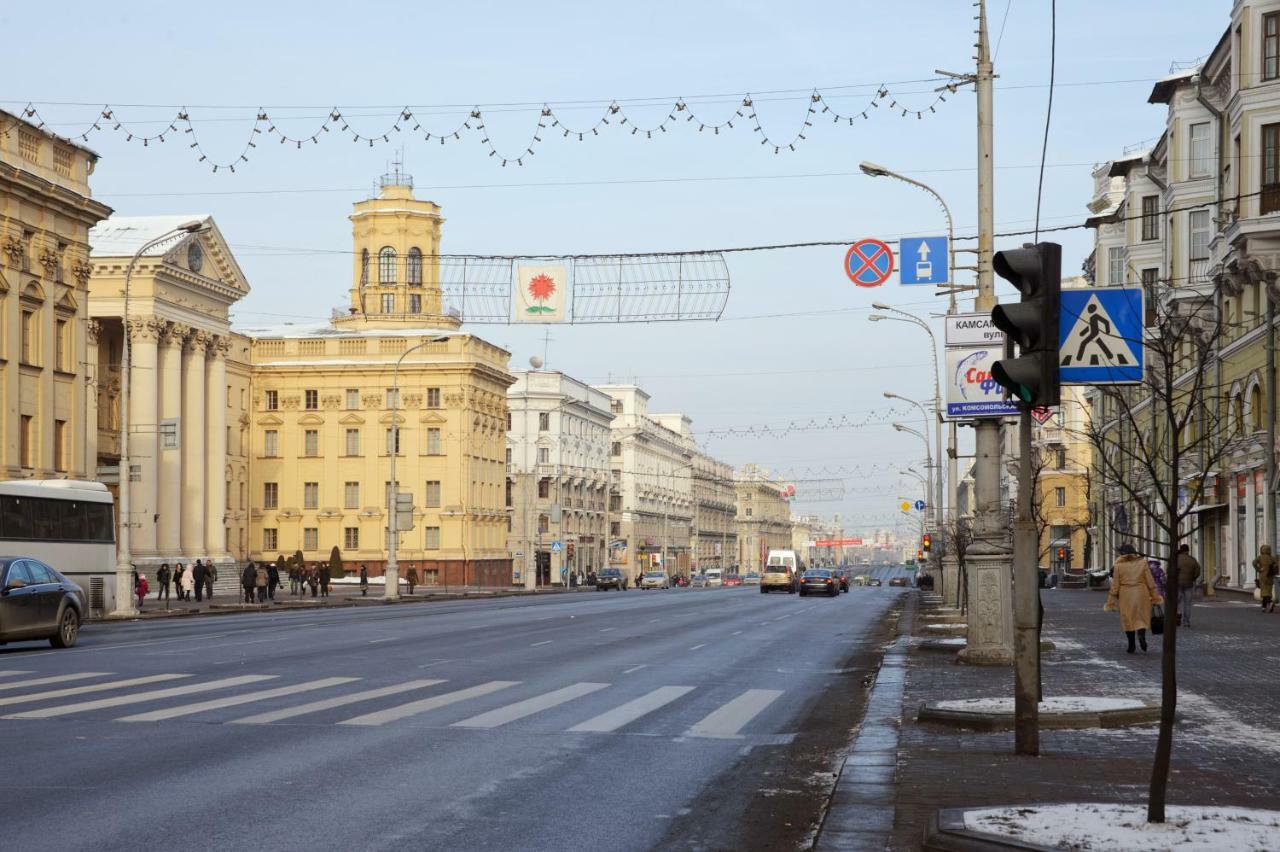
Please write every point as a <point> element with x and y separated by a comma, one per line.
<point>763,517</point>
<point>46,379</point>
<point>557,490</point>
<point>1064,483</point>
<point>715,528</point>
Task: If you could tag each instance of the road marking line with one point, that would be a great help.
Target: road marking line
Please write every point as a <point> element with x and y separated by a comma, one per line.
<point>636,668</point>
<point>735,633</point>
<point>529,706</point>
<point>652,620</point>
<point>607,629</point>
<point>330,703</point>
<point>82,690</point>
<point>633,710</point>
<point>41,681</point>
<point>727,721</point>
<point>413,708</point>
<point>536,644</point>
<point>696,647</point>
<point>244,698</point>
<point>388,639</point>
<point>139,697</point>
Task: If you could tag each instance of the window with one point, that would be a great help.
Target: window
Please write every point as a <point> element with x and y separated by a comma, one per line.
<point>311,443</point>
<point>311,496</point>
<point>30,338</point>
<point>544,421</point>
<point>415,304</point>
<point>509,488</point>
<point>544,455</point>
<point>393,397</point>
<point>350,538</point>
<point>433,397</point>
<point>59,445</point>
<point>271,443</point>
<point>1150,278</point>
<point>1059,497</point>
<point>311,399</point>
<point>1271,46</point>
<point>615,406</point>
<point>387,265</point>
<point>1150,217</point>
<point>615,503</point>
<point>433,442</point>
<point>431,538</point>
<point>1200,150</point>
<point>1270,168</point>
<point>62,346</point>
<point>388,303</point>
<point>431,497</point>
<point>544,487</point>
<point>748,511</point>
<point>413,266</point>
<point>270,538</point>
<point>616,449</point>
<point>1060,458</point>
<point>310,538</point>
<point>351,495</point>
<point>615,528</point>
<point>386,495</point>
<point>393,437</point>
<point>169,435</point>
<point>1199,223</point>
<point>273,400</point>
<point>270,495</point>
<point>1115,266</point>
<point>544,524</point>
<point>353,399</point>
<point>352,442</point>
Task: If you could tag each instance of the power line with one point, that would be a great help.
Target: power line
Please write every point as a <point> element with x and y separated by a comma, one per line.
<point>1048,113</point>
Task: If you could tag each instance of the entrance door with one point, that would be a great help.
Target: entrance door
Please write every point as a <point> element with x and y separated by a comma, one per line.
<point>544,568</point>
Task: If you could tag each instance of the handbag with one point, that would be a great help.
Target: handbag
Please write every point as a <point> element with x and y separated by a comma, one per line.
<point>1157,620</point>
<point>1257,593</point>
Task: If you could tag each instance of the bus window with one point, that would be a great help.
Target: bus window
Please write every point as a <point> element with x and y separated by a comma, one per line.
<point>15,522</point>
<point>72,523</point>
<point>100,525</point>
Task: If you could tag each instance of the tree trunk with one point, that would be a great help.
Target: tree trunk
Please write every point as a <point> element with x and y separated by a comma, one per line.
<point>1168,660</point>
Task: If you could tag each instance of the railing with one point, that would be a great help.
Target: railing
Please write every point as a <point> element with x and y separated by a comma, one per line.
<point>1199,272</point>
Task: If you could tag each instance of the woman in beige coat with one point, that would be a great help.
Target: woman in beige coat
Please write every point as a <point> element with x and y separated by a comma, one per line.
<point>1133,592</point>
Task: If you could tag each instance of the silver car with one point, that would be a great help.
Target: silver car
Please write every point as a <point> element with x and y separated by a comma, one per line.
<point>655,580</point>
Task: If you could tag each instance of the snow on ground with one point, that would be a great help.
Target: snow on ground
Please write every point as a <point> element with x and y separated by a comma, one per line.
<point>1219,724</point>
<point>1058,704</point>
<point>1123,828</point>
<point>946,628</point>
<point>373,581</point>
<point>957,641</point>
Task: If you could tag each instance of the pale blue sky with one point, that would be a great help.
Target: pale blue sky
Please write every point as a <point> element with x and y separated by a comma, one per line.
<point>740,372</point>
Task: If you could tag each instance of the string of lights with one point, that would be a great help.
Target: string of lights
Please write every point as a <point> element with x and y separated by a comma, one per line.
<point>875,418</point>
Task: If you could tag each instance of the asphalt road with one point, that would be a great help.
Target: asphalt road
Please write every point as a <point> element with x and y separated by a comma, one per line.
<point>586,721</point>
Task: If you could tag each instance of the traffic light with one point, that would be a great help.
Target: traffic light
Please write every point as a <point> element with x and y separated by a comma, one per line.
<point>1032,323</point>
<point>1062,554</point>
<point>927,542</point>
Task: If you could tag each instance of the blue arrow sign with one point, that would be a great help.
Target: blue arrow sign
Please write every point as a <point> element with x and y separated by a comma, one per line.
<point>924,260</point>
<point>920,505</point>
<point>1100,336</point>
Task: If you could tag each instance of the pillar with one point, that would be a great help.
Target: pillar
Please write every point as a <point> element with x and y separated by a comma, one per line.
<point>192,440</point>
<point>168,528</point>
<point>142,418</point>
<point>93,374</point>
<point>215,529</point>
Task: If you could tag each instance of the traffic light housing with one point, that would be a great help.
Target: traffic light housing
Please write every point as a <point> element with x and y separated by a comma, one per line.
<point>1031,378</point>
<point>927,543</point>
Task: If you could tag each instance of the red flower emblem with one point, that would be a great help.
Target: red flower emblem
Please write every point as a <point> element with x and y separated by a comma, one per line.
<point>541,287</point>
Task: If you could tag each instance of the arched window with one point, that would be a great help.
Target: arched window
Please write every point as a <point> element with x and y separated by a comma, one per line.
<point>387,265</point>
<point>1256,414</point>
<point>413,266</point>
<point>364,267</point>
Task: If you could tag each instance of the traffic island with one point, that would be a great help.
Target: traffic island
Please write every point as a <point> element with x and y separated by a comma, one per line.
<point>1100,827</point>
<point>1061,712</point>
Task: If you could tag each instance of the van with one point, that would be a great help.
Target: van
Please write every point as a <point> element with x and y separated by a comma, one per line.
<point>714,577</point>
<point>780,572</point>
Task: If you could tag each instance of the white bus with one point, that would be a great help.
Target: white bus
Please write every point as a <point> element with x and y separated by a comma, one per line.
<point>67,524</point>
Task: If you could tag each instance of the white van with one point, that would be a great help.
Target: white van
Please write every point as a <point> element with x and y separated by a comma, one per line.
<point>714,577</point>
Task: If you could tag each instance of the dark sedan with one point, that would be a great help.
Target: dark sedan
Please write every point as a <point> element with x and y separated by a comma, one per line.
<point>611,578</point>
<point>819,581</point>
<point>36,602</point>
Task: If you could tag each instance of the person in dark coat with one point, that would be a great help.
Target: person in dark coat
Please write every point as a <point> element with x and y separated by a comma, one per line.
<point>322,571</point>
<point>162,581</point>
<point>1188,573</point>
<point>247,578</point>
<point>364,581</point>
<point>313,580</point>
<point>197,574</point>
<point>210,577</point>
<point>295,579</point>
<point>177,579</point>
<point>273,580</point>
<point>1266,566</point>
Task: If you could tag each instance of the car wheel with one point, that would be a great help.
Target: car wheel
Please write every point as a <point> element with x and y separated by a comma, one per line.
<point>68,629</point>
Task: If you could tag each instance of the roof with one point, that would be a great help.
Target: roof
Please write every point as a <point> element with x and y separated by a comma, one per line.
<point>122,236</point>
<point>1110,214</point>
<point>1121,165</point>
<point>324,329</point>
<point>1168,84</point>
<point>66,140</point>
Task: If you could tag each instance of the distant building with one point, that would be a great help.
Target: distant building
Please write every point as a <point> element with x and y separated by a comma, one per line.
<point>764,517</point>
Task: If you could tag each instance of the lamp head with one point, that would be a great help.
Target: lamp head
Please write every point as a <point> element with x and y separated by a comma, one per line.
<point>881,306</point>
<point>195,226</point>
<point>872,169</point>
<point>876,317</point>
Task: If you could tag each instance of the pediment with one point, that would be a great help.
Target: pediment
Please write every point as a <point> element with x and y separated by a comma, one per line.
<point>386,418</point>
<point>219,263</point>
<point>270,420</point>
<point>432,418</point>
<point>351,420</point>
<point>311,419</point>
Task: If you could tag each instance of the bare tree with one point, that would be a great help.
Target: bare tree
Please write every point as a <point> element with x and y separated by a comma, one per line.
<point>959,535</point>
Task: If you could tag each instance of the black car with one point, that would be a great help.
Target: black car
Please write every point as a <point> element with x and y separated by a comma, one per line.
<point>611,578</point>
<point>36,602</point>
<point>819,581</point>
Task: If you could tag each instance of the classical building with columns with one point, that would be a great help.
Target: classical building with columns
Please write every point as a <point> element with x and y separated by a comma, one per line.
<point>188,385</point>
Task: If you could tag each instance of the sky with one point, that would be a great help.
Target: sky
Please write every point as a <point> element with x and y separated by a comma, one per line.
<point>794,343</point>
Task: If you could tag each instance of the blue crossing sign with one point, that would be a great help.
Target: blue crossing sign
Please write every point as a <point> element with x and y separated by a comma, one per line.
<point>925,260</point>
<point>1100,336</point>
<point>556,547</point>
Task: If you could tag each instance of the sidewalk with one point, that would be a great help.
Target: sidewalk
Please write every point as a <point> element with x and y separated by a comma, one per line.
<point>1226,744</point>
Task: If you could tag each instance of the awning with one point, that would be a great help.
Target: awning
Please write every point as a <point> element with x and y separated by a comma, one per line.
<point>1198,508</point>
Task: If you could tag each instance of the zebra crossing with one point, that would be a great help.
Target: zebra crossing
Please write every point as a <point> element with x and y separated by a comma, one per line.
<point>177,695</point>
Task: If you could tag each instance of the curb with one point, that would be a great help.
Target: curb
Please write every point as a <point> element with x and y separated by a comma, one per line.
<point>988,721</point>
<point>946,833</point>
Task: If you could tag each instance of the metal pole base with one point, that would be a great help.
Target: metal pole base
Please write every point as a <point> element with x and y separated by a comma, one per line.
<point>990,619</point>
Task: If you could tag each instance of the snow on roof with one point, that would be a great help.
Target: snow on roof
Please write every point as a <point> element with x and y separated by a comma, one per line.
<point>1165,86</point>
<point>121,236</point>
<point>325,329</point>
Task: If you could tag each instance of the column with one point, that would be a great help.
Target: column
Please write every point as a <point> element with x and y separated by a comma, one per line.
<point>168,528</point>
<point>143,415</point>
<point>92,377</point>
<point>192,440</point>
<point>215,529</point>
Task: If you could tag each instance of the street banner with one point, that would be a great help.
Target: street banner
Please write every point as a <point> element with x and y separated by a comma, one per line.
<point>971,391</point>
<point>540,292</point>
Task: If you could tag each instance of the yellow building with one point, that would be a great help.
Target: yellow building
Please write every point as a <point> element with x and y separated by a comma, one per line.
<point>764,518</point>
<point>1064,484</point>
<point>45,383</point>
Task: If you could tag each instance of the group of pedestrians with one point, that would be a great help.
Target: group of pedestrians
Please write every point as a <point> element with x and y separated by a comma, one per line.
<point>312,578</point>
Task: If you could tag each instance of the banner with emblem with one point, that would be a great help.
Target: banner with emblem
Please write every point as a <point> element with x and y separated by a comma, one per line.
<point>540,293</point>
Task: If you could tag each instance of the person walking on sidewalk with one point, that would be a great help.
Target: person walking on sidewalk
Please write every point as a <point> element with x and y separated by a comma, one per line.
<point>140,588</point>
<point>260,583</point>
<point>1188,573</point>
<point>313,580</point>
<point>295,579</point>
<point>210,577</point>
<point>177,579</point>
<point>197,579</point>
<point>1265,565</point>
<point>364,581</point>
<point>1133,592</point>
<point>273,580</point>
<point>162,581</point>
<point>323,572</point>
<point>247,578</point>
<point>188,583</point>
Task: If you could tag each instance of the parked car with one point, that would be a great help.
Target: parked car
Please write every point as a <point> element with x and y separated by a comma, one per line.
<point>713,577</point>
<point>655,580</point>
<point>751,578</point>
<point>819,581</point>
<point>732,580</point>
<point>898,581</point>
<point>611,578</point>
<point>37,602</point>
<point>698,582</point>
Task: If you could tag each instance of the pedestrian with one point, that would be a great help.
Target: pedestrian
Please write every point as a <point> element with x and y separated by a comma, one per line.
<point>411,577</point>
<point>260,583</point>
<point>1134,593</point>
<point>140,588</point>
<point>1266,565</point>
<point>210,577</point>
<point>1157,574</point>
<point>364,581</point>
<point>273,580</point>
<point>188,583</point>
<point>1188,573</point>
<point>322,572</point>
<point>313,580</point>
<point>247,578</point>
<point>162,581</point>
<point>197,579</point>
<point>177,579</point>
<point>295,579</point>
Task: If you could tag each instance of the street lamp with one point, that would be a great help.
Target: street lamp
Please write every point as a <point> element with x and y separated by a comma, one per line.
<point>124,558</point>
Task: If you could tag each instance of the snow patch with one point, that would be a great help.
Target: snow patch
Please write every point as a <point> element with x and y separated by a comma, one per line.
<point>1220,725</point>
<point>1122,828</point>
<point>946,628</point>
<point>1058,704</point>
<point>952,640</point>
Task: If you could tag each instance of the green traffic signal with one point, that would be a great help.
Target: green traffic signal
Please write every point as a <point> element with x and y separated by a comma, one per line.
<point>1031,323</point>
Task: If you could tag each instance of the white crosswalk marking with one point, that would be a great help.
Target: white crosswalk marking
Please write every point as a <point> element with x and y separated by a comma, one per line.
<point>330,703</point>
<point>44,681</point>
<point>234,700</point>
<point>728,720</point>
<point>632,710</point>
<point>139,697</point>
<point>529,706</point>
<point>11,672</point>
<point>84,690</point>
<point>413,708</point>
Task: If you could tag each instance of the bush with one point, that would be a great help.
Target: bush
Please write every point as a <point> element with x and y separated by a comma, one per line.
<point>335,564</point>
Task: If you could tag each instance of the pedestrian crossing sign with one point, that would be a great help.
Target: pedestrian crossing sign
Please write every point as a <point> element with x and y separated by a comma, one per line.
<point>1100,336</point>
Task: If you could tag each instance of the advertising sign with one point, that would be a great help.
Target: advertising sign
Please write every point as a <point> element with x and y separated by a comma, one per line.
<point>971,392</point>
